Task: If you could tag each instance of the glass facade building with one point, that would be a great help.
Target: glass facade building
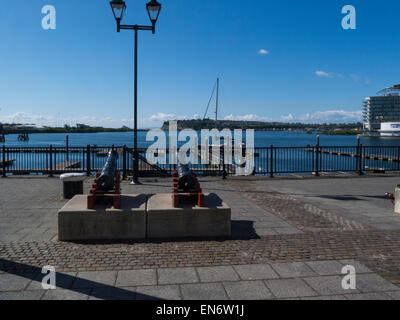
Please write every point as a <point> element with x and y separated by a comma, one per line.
<point>382,108</point>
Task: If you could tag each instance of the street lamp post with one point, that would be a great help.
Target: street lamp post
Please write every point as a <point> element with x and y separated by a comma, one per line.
<point>153,10</point>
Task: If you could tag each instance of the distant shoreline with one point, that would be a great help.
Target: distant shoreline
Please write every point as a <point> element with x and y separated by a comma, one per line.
<point>62,130</point>
<point>330,133</point>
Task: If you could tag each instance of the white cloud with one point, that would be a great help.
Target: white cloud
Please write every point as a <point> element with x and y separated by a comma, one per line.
<point>246,117</point>
<point>156,120</point>
<point>48,120</point>
<point>263,52</point>
<point>355,77</point>
<point>329,116</point>
<point>162,117</point>
<point>321,73</point>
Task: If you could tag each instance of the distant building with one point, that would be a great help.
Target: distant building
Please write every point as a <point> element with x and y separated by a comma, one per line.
<point>383,108</point>
<point>82,126</point>
<point>390,129</point>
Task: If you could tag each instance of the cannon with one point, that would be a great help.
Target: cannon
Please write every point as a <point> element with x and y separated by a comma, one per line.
<point>107,183</point>
<point>186,180</point>
<point>106,180</point>
<point>186,186</point>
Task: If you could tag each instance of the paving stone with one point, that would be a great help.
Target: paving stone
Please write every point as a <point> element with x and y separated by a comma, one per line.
<point>293,269</point>
<point>334,297</point>
<point>256,272</point>
<point>22,295</point>
<point>129,278</point>
<point>64,280</point>
<point>328,285</point>
<point>360,268</point>
<point>395,295</point>
<point>92,279</point>
<point>203,291</point>
<point>177,276</point>
<point>78,294</point>
<point>289,288</point>
<point>374,282</point>
<point>266,232</point>
<point>368,296</point>
<point>271,224</point>
<point>214,274</point>
<point>287,230</point>
<point>112,293</point>
<point>247,290</point>
<point>168,292</point>
<point>326,268</point>
<point>11,282</point>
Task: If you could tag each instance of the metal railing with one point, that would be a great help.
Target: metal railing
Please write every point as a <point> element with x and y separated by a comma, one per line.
<point>267,160</point>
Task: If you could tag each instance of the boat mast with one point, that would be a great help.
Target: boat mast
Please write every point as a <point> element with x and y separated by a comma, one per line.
<point>216,105</point>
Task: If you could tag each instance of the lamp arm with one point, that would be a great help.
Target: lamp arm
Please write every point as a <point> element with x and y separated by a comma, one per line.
<point>135,27</point>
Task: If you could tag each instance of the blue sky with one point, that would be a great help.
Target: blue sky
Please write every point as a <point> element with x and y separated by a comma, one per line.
<point>313,70</point>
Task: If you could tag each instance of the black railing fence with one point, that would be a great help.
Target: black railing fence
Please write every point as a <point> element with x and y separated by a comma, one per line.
<point>267,160</point>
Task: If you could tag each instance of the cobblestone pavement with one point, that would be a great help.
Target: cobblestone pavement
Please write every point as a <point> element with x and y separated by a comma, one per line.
<point>272,231</point>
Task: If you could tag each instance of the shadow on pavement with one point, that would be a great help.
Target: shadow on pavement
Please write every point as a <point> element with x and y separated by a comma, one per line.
<point>65,281</point>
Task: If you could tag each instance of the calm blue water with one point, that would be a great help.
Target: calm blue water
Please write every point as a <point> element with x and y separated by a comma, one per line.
<point>262,139</point>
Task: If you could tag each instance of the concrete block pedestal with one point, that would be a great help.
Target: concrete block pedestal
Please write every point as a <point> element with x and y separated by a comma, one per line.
<point>165,221</point>
<point>76,222</point>
<point>397,200</point>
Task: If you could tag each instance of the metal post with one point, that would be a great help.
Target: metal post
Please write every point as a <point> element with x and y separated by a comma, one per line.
<point>360,165</point>
<point>224,173</point>
<point>317,158</point>
<point>398,158</point>
<point>67,146</point>
<point>271,174</point>
<point>4,161</point>
<point>136,154</point>
<point>124,173</point>
<point>88,169</point>
<point>51,161</point>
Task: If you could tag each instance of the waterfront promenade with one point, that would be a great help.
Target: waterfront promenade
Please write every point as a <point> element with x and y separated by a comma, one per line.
<point>291,236</point>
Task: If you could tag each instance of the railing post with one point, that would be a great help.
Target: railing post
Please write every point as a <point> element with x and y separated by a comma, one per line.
<point>67,147</point>
<point>358,154</point>
<point>4,161</point>
<point>317,158</point>
<point>398,158</point>
<point>271,163</point>
<point>360,162</point>
<point>224,173</point>
<point>124,173</point>
<point>88,170</point>
<point>51,161</point>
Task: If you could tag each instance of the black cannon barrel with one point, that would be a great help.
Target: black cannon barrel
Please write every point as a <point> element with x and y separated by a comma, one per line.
<point>186,180</point>
<point>106,180</point>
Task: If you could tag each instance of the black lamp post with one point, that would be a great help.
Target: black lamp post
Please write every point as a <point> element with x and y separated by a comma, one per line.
<point>153,9</point>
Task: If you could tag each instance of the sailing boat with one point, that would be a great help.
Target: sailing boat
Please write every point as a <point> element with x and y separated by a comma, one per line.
<point>217,160</point>
<point>216,86</point>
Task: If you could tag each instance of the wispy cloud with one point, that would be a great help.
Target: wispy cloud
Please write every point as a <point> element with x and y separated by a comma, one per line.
<point>355,77</point>
<point>328,116</point>
<point>321,73</point>
<point>246,117</point>
<point>263,52</point>
<point>156,120</point>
